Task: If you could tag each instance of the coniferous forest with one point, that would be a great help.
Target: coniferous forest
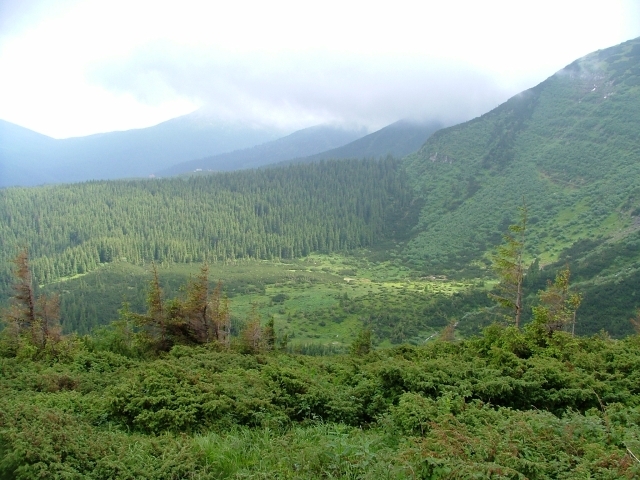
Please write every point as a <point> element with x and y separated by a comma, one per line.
<point>260,214</point>
<point>181,389</point>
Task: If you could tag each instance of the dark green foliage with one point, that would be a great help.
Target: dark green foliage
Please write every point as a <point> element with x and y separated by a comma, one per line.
<point>30,324</point>
<point>569,145</point>
<point>557,307</point>
<point>406,316</point>
<point>362,344</point>
<point>270,334</point>
<point>274,213</point>
<point>175,398</point>
<point>279,298</point>
<point>509,267</point>
<point>158,394</point>
<point>568,149</point>
<point>609,290</point>
<point>44,442</point>
<point>496,403</point>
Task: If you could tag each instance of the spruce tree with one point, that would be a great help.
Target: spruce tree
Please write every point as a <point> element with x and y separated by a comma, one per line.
<point>508,264</point>
<point>23,310</point>
<point>557,309</point>
<point>30,318</point>
<point>196,307</point>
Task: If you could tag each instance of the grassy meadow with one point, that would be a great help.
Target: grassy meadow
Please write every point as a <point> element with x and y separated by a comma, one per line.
<point>321,299</point>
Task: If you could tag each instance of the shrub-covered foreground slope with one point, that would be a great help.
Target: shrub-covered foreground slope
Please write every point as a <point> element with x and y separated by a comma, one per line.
<point>503,405</point>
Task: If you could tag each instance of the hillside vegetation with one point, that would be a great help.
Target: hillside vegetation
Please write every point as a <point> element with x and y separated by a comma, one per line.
<point>570,146</point>
<point>343,319</point>
<point>570,149</point>
<point>502,405</point>
<point>174,392</point>
<point>274,213</point>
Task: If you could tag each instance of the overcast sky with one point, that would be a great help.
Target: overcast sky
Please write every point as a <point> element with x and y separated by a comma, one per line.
<point>75,67</point>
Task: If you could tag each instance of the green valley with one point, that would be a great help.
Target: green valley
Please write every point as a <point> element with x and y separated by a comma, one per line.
<point>342,318</point>
<point>568,147</point>
<point>321,299</point>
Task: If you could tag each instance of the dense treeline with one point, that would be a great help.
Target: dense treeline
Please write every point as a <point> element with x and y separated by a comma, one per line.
<point>271,213</point>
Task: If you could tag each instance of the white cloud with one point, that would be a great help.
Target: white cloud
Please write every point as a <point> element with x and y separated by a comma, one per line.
<point>73,67</point>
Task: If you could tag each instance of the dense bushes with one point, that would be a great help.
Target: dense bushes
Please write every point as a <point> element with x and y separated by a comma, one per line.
<point>499,404</point>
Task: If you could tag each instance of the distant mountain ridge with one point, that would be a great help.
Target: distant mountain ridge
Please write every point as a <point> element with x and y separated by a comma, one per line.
<point>308,141</point>
<point>28,158</point>
<point>397,139</point>
<point>20,152</point>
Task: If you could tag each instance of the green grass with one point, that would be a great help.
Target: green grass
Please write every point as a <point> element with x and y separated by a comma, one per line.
<point>320,299</point>
<point>307,306</point>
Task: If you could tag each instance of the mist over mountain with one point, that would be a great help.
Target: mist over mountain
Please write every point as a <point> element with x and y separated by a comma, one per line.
<point>301,143</point>
<point>28,158</point>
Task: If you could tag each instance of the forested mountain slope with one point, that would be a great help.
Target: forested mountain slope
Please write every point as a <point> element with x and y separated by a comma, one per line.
<point>28,158</point>
<point>272,213</point>
<point>301,143</point>
<point>569,147</point>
